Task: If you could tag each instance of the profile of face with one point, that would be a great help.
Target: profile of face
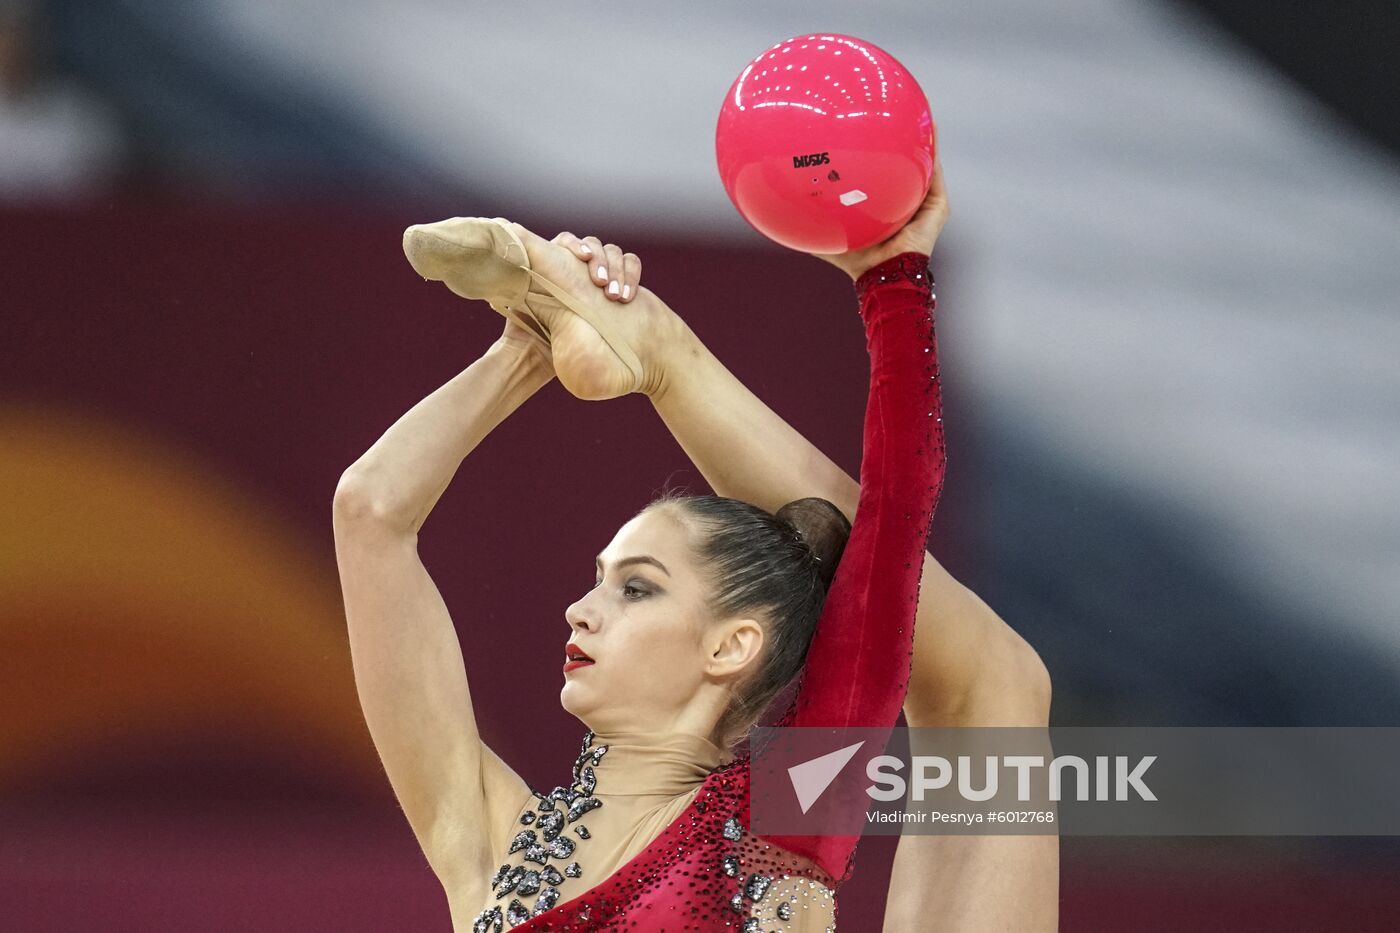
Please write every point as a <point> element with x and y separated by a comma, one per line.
<point>661,661</point>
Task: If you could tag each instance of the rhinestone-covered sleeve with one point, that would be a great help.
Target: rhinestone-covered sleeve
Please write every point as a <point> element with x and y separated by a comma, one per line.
<point>857,669</point>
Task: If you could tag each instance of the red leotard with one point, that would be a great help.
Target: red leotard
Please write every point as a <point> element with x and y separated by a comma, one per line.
<point>706,870</point>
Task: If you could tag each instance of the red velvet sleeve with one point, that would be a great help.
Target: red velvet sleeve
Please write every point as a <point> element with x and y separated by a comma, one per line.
<point>858,665</point>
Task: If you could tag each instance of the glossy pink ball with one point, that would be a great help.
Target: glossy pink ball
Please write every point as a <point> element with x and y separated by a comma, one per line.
<point>825,144</point>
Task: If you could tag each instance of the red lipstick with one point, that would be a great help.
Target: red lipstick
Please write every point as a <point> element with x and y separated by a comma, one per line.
<point>574,658</point>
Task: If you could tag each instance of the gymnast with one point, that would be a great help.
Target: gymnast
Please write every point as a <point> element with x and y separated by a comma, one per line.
<point>705,609</point>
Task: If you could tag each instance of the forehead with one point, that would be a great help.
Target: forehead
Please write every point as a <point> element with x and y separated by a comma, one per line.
<point>658,532</point>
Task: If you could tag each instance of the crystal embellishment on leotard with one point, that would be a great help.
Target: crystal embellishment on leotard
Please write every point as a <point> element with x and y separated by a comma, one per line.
<point>751,926</point>
<point>489,921</point>
<point>548,843</point>
<point>757,886</point>
<point>582,805</point>
<point>736,903</point>
<point>546,901</point>
<point>730,865</point>
<point>517,913</point>
<point>550,824</point>
<point>912,268</point>
<point>509,882</point>
<point>785,911</point>
<point>733,829</point>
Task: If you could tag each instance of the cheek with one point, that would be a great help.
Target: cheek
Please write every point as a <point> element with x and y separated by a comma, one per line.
<point>665,657</point>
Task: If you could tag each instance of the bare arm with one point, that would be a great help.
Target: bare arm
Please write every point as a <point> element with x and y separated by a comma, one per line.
<point>458,796</point>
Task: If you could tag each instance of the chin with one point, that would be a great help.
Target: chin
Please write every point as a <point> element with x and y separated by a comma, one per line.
<point>573,702</point>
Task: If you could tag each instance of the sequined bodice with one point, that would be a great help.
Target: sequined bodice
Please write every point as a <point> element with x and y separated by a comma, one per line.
<point>679,854</point>
<point>701,851</point>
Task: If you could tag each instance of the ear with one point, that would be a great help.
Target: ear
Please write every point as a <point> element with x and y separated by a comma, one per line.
<point>734,647</point>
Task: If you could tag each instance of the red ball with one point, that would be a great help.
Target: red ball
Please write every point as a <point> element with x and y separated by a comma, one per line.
<point>825,144</point>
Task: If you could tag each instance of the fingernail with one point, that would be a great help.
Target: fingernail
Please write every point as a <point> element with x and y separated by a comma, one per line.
<point>612,287</point>
<point>627,291</point>
<point>587,250</point>
<point>602,273</point>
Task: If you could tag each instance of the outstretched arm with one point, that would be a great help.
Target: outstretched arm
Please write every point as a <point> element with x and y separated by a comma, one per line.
<point>856,671</point>
<point>458,796</point>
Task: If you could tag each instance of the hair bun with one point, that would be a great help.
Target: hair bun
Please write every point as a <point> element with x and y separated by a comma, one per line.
<point>824,529</point>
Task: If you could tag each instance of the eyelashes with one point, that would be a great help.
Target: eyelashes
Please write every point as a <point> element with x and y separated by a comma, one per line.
<point>626,589</point>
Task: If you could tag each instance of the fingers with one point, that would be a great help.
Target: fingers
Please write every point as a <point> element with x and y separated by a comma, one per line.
<point>631,275</point>
<point>578,247</point>
<point>613,255</point>
<point>619,274</point>
<point>597,262</point>
<point>936,191</point>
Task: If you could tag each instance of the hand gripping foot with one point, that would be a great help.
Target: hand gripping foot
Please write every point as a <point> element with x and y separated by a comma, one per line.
<point>486,258</point>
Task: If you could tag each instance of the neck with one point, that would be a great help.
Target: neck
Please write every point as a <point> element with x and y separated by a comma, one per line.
<point>636,763</point>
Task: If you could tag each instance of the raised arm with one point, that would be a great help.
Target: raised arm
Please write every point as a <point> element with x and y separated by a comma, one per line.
<point>857,668</point>
<point>458,796</point>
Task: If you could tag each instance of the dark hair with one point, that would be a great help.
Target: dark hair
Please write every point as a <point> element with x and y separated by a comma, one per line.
<point>777,567</point>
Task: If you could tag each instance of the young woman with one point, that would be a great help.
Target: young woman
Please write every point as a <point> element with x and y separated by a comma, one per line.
<point>706,607</point>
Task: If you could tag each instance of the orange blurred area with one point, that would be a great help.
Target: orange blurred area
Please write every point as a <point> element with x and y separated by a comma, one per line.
<point>148,597</point>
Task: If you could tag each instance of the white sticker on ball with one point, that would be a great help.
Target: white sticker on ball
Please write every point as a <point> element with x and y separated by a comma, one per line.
<point>852,197</point>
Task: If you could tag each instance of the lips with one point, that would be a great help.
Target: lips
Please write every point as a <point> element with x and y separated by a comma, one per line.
<point>575,658</point>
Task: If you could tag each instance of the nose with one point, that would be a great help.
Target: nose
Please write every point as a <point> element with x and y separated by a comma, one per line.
<point>579,617</point>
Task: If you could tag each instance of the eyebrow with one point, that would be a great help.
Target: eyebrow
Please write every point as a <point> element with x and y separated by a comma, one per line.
<point>641,559</point>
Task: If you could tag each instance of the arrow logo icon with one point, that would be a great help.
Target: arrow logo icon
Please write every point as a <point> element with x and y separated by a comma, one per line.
<point>811,778</point>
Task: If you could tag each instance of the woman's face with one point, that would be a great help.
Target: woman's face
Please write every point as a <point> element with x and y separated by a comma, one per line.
<point>647,628</point>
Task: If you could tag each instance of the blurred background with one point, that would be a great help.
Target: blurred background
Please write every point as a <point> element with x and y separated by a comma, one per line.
<point>1169,324</point>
